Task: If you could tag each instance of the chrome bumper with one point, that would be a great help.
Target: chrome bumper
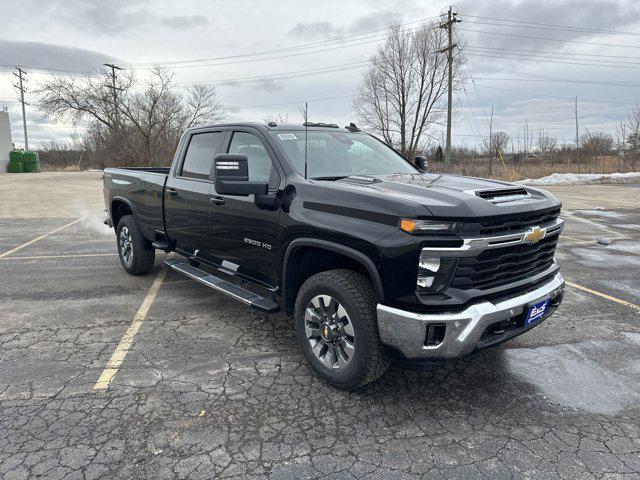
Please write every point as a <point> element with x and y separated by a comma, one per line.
<point>406,331</point>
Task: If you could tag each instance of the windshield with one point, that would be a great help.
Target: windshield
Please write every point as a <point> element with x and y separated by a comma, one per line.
<point>340,154</point>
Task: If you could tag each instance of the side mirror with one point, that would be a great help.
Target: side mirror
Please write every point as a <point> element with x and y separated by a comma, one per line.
<point>422,163</point>
<point>232,176</point>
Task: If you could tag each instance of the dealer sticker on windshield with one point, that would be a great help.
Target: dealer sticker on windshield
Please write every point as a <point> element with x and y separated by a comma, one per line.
<point>536,312</point>
<point>287,136</point>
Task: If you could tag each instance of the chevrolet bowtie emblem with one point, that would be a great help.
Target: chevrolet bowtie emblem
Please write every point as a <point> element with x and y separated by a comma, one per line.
<point>535,234</point>
<point>325,331</point>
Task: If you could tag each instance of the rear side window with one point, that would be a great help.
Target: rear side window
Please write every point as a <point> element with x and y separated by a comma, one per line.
<point>199,157</point>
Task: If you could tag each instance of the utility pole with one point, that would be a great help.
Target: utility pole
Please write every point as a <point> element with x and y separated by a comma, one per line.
<point>114,89</point>
<point>577,135</point>
<point>448,25</point>
<point>491,142</point>
<point>20,87</point>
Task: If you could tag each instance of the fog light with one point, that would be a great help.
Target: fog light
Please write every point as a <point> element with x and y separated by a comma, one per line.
<point>425,282</point>
<point>429,263</point>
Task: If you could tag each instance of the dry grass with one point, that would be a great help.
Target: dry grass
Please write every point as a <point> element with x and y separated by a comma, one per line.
<point>530,167</point>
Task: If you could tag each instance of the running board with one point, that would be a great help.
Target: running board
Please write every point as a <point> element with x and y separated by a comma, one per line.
<point>161,245</point>
<point>245,296</point>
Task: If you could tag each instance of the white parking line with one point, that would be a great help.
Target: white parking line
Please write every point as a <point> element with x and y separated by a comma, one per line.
<point>126,341</point>
<point>37,239</point>
<point>46,257</point>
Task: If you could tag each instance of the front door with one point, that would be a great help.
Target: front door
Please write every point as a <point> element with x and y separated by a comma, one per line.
<point>243,235</point>
<point>188,192</point>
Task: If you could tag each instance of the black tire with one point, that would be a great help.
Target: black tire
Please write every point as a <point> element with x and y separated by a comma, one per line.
<point>139,259</point>
<point>356,295</point>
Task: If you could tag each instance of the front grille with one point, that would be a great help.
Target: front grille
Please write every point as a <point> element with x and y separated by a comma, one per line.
<point>510,224</point>
<point>502,266</point>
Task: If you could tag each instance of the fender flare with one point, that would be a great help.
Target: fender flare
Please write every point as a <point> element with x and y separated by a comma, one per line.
<point>359,257</point>
<point>125,201</point>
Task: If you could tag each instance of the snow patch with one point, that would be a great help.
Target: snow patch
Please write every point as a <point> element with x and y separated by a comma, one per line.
<point>583,178</point>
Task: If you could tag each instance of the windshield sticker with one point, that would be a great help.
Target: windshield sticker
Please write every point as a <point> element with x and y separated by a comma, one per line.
<point>287,136</point>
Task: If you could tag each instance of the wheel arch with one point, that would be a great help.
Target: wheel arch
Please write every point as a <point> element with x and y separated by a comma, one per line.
<point>120,207</point>
<point>291,282</point>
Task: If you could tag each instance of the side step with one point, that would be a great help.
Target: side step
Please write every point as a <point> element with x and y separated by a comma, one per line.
<point>161,245</point>
<point>245,296</point>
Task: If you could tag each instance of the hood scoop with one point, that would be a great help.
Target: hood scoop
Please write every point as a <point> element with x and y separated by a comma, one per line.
<point>361,179</point>
<point>501,195</point>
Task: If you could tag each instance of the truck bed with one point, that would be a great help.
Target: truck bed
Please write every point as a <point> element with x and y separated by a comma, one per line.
<point>143,189</point>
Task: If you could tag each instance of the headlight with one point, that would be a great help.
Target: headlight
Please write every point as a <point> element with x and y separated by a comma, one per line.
<point>434,273</point>
<point>418,227</point>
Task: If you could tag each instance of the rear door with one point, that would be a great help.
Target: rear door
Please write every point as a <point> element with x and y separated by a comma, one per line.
<point>188,191</point>
<point>242,234</point>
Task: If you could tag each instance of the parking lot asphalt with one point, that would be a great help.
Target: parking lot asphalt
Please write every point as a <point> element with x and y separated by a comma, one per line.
<point>210,389</point>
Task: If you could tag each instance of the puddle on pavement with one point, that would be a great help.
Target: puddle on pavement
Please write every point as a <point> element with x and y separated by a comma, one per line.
<point>609,256</point>
<point>565,375</point>
<point>602,213</point>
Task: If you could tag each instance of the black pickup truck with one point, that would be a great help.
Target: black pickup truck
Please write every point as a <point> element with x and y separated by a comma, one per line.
<point>376,258</point>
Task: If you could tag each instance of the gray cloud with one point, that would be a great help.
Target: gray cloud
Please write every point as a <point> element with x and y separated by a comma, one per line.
<point>50,56</point>
<point>601,15</point>
<point>371,21</point>
<point>113,16</point>
<point>270,85</point>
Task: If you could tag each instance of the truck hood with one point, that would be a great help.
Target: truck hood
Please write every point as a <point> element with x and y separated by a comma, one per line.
<point>453,196</point>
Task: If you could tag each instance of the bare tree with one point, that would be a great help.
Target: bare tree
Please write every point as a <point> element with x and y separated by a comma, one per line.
<point>631,138</point>
<point>280,118</point>
<point>131,126</point>
<point>401,95</point>
<point>495,145</point>
<point>597,143</point>
<point>547,144</point>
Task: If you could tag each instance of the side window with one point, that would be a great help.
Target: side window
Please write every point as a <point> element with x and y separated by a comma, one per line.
<point>248,144</point>
<point>199,157</point>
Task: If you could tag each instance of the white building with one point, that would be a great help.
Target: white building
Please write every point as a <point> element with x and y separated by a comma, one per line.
<point>5,141</point>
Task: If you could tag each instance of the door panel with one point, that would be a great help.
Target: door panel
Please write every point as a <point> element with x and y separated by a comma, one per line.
<point>241,233</point>
<point>188,192</point>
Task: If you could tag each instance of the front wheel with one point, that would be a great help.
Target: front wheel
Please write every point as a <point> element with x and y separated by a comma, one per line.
<point>337,328</point>
<point>135,252</point>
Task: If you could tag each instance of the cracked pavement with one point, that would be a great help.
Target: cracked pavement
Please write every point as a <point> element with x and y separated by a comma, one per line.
<point>213,389</point>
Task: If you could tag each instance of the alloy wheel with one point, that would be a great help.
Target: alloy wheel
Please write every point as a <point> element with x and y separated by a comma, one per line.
<point>329,332</point>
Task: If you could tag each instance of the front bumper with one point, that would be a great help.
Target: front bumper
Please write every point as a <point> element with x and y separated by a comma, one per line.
<point>407,331</point>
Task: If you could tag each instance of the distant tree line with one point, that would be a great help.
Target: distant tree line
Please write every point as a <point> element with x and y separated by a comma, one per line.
<point>126,124</point>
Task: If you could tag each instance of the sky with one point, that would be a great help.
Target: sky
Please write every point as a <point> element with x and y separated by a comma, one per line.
<point>527,60</point>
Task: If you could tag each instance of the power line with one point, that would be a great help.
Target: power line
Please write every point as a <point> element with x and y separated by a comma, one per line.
<point>549,60</point>
<point>282,75</point>
<point>283,49</point>
<point>585,29</point>
<point>587,82</point>
<point>609,45</point>
<point>550,96</point>
<point>554,53</point>
<point>533,27</point>
<point>297,102</point>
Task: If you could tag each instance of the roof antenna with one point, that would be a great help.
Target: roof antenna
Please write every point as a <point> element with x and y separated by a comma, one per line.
<point>306,121</point>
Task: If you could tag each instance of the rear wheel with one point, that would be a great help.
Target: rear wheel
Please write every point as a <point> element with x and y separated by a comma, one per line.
<point>337,328</point>
<point>135,252</point>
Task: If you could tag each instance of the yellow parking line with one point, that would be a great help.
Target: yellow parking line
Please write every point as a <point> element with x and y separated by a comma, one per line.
<point>604,295</point>
<point>37,239</point>
<point>46,257</point>
<point>127,339</point>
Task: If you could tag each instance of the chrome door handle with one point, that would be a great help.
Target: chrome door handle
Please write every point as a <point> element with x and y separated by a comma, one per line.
<point>217,200</point>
